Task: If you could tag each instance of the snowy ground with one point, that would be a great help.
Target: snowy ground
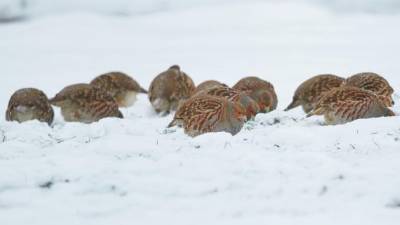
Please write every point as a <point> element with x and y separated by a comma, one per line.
<point>281,169</point>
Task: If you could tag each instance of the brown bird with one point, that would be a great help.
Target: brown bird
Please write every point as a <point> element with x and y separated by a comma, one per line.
<point>372,82</point>
<point>120,86</point>
<point>205,113</point>
<point>260,90</point>
<point>345,104</point>
<point>85,103</point>
<point>249,105</point>
<point>29,104</point>
<point>169,88</point>
<point>310,91</point>
<point>209,84</point>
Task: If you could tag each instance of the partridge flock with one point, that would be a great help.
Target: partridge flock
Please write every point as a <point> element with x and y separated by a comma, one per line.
<point>211,106</point>
<point>339,100</point>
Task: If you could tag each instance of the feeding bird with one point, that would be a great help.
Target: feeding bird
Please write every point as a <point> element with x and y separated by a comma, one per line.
<point>29,104</point>
<point>120,86</point>
<point>85,103</point>
<point>205,113</point>
<point>345,104</point>
<point>260,90</point>
<point>169,88</point>
<point>312,90</point>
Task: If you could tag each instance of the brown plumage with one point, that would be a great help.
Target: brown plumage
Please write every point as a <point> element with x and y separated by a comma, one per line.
<point>345,104</point>
<point>312,90</point>
<point>260,90</point>
<point>120,86</point>
<point>29,104</point>
<point>85,103</point>
<point>238,97</point>
<point>169,88</point>
<point>205,113</point>
<point>209,84</point>
<point>372,82</point>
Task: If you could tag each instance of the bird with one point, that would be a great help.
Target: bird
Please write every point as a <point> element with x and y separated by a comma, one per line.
<point>209,84</point>
<point>85,103</point>
<point>345,104</point>
<point>372,82</point>
<point>169,89</point>
<point>120,86</point>
<point>236,97</point>
<point>310,91</point>
<point>205,113</point>
<point>29,104</point>
<point>262,91</point>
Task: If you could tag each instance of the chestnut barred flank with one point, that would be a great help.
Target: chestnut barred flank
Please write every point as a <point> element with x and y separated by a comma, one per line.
<point>120,86</point>
<point>85,103</point>
<point>345,104</point>
<point>204,113</point>
<point>374,83</point>
<point>312,90</point>
<point>169,88</point>
<point>262,91</point>
<point>29,104</point>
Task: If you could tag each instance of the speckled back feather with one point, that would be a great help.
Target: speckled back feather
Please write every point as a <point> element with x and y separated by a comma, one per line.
<point>235,96</point>
<point>120,86</point>
<point>372,82</point>
<point>209,84</point>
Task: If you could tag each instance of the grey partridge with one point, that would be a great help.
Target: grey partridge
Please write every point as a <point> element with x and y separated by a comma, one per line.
<point>238,97</point>
<point>209,84</point>
<point>345,104</point>
<point>29,104</point>
<point>262,91</point>
<point>120,86</point>
<point>169,88</point>
<point>205,113</point>
<point>372,82</point>
<point>312,90</point>
<point>85,103</point>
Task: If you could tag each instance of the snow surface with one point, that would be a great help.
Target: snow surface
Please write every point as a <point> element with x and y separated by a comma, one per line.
<point>18,9</point>
<point>280,169</point>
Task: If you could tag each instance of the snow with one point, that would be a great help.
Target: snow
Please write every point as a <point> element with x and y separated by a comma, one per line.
<point>281,168</point>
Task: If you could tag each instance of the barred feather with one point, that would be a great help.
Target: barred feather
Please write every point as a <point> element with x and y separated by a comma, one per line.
<point>345,104</point>
<point>374,83</point>
<point>312,90</point>
<point>85,103</point>
<point>205,113</point>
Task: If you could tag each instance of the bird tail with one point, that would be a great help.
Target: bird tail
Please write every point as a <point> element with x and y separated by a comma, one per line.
<point>142,90</point>
<point>54,101</point>
<point>389,112</point>
<point>172,124</point>
<point>292,105</point>
<point>318,111</point>
<point>120,115</point>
